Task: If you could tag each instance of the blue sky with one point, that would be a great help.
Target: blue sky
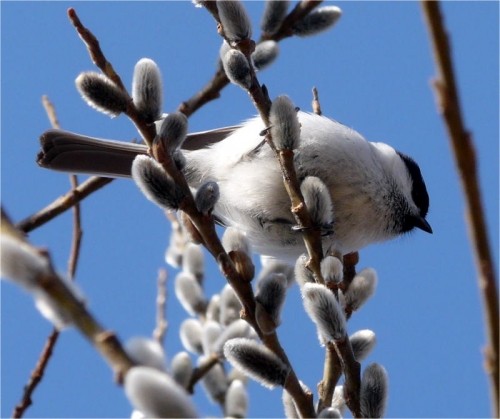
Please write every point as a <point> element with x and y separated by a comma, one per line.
<point>373,72</point>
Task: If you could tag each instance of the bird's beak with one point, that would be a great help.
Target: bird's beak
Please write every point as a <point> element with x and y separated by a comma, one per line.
<point>422,224</point>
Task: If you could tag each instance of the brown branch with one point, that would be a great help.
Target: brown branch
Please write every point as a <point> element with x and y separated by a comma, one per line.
<point>219,80</point>
<point>63,203</point>
<point>466,161</point>
<point>199,372</point>
<point>77,232</point>
<point>36,375</point>
<point>161,302</point>
<point>333,365</point>
<point>43,360</point>
<point>73,308</point>
<point>316,106</point>
<point>148,131</point>
<point>352,372</point>
<point>332,371</point>
<point>95,52</point>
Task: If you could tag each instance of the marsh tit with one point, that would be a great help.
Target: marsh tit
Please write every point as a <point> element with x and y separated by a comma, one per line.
<point>377,193</point>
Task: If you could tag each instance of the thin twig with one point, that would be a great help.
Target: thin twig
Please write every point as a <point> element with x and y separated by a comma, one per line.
<point>147,130</point>
<point>74,308</point>
<point>332,371</point>
<point>43,360</point>
<point>199,372</point>
<point>77,232</point>
<point>316,106</point>
<point>36,376</point>
<point>63,203</point>
<point>466,161</point>
<point>161,303</point>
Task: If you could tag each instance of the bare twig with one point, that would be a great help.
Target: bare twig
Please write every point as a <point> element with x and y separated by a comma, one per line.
<point>39,370</point>
<point>465,158</point>
<point>63,203</point>
<point>74,309</point>
<point>199,372</point>
<point>94,49</point>
<point>352,371</point>
<point>77,232</point>
<point>36,375</point>
<point>316,106</point>
<point>148,131</point>
<point>50,111</point>
<point>332,371</point>
<point>161,302</point>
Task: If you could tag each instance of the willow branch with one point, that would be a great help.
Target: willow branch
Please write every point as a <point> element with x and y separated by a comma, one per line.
<point>219,80</point>
<point>148,131</point>
<point>73,307</point>
<point>466,161</point>
<point>36,375</point>
<point>63,203</point>
<point>47,351</point>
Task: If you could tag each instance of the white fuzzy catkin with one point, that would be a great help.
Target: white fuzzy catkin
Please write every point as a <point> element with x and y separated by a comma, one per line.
<point>271,294</point>
<point>237,329</point>
<point>362,342</point>
<point>332,269</point>
<point>101,93</point>
<point>325,311</point>
<point>157,395</point>
<point>155,183</point>
<point>173,131</point>
<point>265,53</point>
<point>360,289</point>
<point>275,266</point>
<point>234,239</point>
<point>206,197</point>
<point>338,400</point>
<point>230,306</point>
<point>289,405</point>
<point>236,403</point>
<point>256,361</point>
<point>147,89</point>
<point>285,126</point>
<point>373,393</point>
<point>330,412</point>
<point>193,261</point>
<point>146,352</point>
<point>275,12</point>
<point>211,332</point>
<point>302,274</point>
<point>52,310</point>
<point>234,19</point>
<point>213,308</point>
<point>237,68</point>
<point>191,332</point>
<point>318,201</point>
<point>189,293</point>
<point>182,368</point>
<point>21,262</point>
<point>317,21</point>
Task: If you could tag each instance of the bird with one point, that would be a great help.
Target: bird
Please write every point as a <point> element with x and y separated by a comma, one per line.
<point>377,193</point>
